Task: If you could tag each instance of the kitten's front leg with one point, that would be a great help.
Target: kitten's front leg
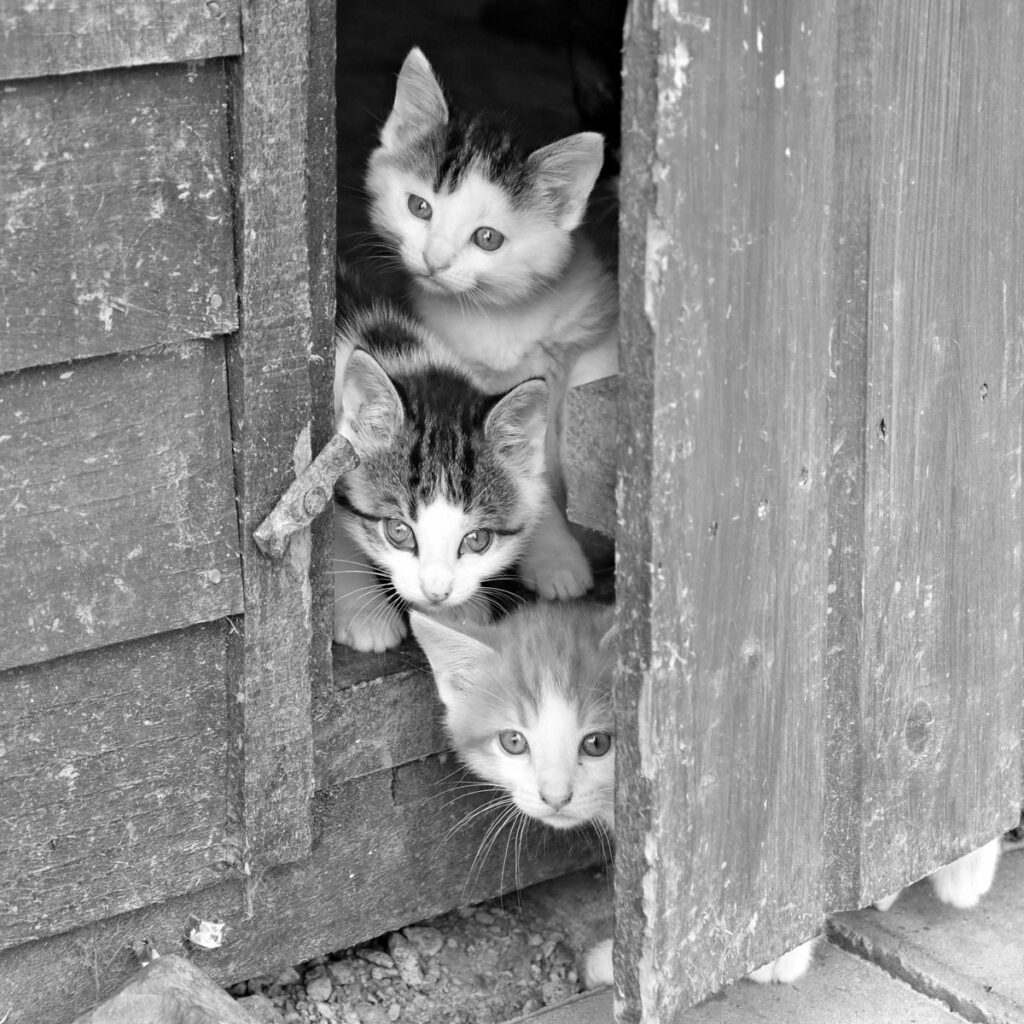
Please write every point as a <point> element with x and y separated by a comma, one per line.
<point>365,617</point>
<point>554,564</point>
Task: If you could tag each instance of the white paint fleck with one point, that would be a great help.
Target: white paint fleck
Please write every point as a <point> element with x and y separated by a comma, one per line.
<point>157,208</point>
<point>788,153</point>
<point>780,80</point>
<point>760,40</point>
<point>68,772</point>
<point>67,375</point>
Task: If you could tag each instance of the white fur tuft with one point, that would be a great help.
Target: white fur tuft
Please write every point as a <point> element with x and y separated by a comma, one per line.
<point>789,967</point>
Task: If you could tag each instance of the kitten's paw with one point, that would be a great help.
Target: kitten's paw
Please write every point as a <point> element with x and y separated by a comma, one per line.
<point>556,571</point>
<point>597,965</point>
<point>789,967</point>
<point>375,632</point>
<point>963,883</point>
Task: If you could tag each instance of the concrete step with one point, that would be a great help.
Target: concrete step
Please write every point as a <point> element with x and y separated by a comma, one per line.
<point>920,963</point>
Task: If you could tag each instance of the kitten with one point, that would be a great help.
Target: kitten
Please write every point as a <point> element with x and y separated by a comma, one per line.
<point>500,272</point>
<point>528,707</point>
<point>449,485</point>
<point>962,883</point>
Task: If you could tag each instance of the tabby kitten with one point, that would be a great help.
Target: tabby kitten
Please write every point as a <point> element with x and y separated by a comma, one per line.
<point>500,272</point>
<point>449,485</point>
<point>528,707</point>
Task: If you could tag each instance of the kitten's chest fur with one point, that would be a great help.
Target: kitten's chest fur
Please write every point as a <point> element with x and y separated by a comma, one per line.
<point>567,329</point>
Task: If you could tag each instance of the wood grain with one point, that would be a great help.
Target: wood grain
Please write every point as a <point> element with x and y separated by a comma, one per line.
<point>116,211</point>
<point>62,36</point>
<point>385,855</point>
<point>590,456</point>
<point>943,679</point>
<point>722,577</point>
<point>117,515</point>
<point>113,767</point>
<point>272,360</point>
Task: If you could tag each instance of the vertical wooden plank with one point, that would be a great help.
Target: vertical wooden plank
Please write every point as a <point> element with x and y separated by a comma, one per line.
<point>269,380</point>
<point>942,673</point>
<point>729,127</point>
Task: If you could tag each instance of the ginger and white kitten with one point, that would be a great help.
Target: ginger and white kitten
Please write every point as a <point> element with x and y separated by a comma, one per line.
<point>962,883</point>
<point>449,486</point>
<point>528,707</point>
<point>500,270</point>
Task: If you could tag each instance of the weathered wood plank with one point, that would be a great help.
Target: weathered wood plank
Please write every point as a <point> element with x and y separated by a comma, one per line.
<point>115,205</point>
<point>385,855</point>
<point>722,503</point>
<point>943,679</point>
<point>117,515</point>
<point>62,36</point>
<point>113,795</point>
<point>272,360</point>
<point>590,454</point>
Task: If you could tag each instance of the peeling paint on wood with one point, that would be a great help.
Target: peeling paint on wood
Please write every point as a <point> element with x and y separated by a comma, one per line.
<point>117,514</point>
<point>56,37</point>
<point>113,794</point>
<point>115,213</point>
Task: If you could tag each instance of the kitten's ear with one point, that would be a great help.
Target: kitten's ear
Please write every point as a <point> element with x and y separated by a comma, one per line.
<point>455,658</point>
<point>371,409</point>
<point>565,172</point>
<point>419,103</point>
<point>517,425</point>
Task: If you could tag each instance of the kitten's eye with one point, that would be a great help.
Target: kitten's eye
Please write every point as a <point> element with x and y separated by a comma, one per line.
<point>399,534</point>
<point>478,541</point>
<point>597,744</point>
<point>488,239</point>
<point>419,207</point>
<point>512,742</point>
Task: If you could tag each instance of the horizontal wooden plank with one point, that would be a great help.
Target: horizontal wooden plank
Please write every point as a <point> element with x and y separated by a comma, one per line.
<point>590,451</point>
<point>113,768</point>
<point>61,36</point>
<point>117,511</point>
<point>115,207</point>
<point>380,861</point>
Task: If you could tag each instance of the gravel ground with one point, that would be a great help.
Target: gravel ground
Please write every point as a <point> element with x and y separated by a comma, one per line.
<point>482,964</point>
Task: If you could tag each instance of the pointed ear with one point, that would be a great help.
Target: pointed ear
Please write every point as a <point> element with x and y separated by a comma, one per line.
<point>419,103</point>
<point>455,658</point>
<point>517,425</point>
<point>371,409</point>
<point>566,171</point>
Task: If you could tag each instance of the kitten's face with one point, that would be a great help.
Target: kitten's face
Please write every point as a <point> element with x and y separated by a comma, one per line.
<point>466,211</point>
<point>450,481</point>
<point>528,704</point>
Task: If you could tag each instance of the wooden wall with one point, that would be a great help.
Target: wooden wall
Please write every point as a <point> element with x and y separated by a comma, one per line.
<point>819,522</point>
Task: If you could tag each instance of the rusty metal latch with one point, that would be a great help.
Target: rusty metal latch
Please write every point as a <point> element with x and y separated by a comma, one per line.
<point>308,496</point>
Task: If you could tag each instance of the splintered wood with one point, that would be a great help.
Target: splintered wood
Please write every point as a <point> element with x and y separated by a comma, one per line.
<point>307,497</point>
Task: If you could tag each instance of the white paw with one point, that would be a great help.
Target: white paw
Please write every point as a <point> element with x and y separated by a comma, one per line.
<point>377,630</point>
<point>789,967</point>
<point>597,965</point>
<point>963,883</point>
<point>884,904</point>
<point>556,571</point>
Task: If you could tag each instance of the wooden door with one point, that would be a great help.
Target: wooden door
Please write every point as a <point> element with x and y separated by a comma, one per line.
<point>820,516</point>
<point>166,268</point>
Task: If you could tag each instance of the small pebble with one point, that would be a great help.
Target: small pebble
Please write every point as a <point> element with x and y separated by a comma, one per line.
<point>405,959</point>
<point>289,976</point>
<point>482,917</point>
<point>342,972</point>
<point>427,941</point>
<point>239,989</point>
<point>369,1014</point>
<point>319,989</point>
<point>531,1006</point>
<point>533,939</point>
<point>394,1011</point>
<point>326,1011</point>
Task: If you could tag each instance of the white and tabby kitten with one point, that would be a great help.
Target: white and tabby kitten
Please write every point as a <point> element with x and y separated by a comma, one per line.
<point>528,707</point>
<point>450,481</point>
<point>500,270</point>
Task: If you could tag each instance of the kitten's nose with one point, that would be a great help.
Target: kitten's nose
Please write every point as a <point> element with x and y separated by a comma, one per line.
<point>437,256</point>
<point>556,799</point>
<point>435,265</point>
<point>436,586</point>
